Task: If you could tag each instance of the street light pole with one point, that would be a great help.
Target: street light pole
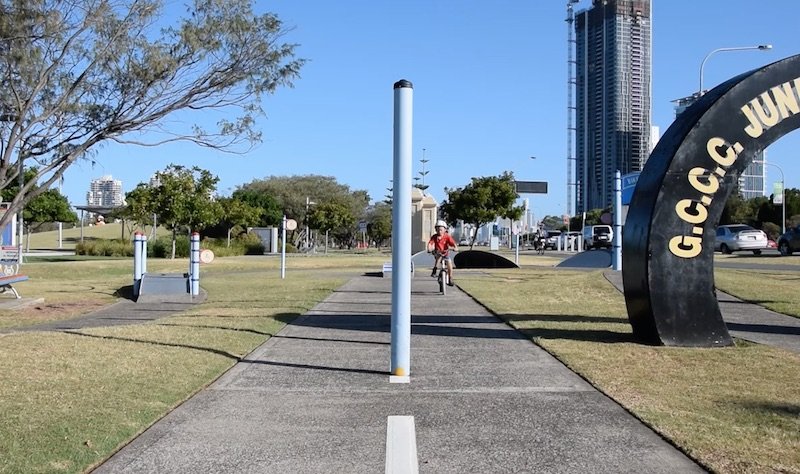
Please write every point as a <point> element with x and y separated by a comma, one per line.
<point>762,47</point>
<point>783,198</point>
<point>308,203</point>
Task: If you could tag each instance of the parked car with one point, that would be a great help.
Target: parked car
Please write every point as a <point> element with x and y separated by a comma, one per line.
<point>789,242</point>
<point>567,239</point>
<point>597,236</point>
<point>552,239</point>
<point>736,237</point>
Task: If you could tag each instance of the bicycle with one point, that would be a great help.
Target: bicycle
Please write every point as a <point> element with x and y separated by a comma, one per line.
<point>540,245</point>
<point>442,277</point>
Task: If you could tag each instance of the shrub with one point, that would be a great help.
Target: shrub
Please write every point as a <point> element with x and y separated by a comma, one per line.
<point>162,247</point>
<point>105,248</point>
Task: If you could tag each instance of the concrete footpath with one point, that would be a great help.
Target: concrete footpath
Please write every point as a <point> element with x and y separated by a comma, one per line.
<point>316,398</point>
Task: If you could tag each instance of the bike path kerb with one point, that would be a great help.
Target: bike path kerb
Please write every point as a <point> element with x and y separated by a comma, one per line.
<point>315,398</point>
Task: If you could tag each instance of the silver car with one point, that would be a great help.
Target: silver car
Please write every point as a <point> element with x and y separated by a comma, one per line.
<point>735,237</point>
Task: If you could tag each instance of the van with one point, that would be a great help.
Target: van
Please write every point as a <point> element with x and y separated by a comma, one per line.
<point>597,236</point>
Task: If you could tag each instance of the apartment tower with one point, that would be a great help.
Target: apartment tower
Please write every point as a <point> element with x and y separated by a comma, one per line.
<point>105,192</point>
<point>612,97</point>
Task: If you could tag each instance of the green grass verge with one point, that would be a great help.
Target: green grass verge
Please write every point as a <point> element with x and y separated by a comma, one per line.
<point>68,400</point>
<point>734,409</point>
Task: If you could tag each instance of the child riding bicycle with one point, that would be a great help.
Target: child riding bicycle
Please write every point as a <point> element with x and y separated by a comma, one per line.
<point>440,245</point>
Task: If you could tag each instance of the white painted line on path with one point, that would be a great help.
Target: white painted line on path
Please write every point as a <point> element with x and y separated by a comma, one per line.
<point>401,446</point>
<point>399,379</point>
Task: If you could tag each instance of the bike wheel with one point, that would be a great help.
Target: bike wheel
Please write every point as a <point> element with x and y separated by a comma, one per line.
<point>442,282</point>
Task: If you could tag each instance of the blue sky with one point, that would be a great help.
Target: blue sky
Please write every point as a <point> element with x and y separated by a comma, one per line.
<point>490,92</point>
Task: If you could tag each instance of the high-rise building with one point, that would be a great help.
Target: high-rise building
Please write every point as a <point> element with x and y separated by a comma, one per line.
<point>106,192</point>
<point>612,109</point>
<point>753,179</point>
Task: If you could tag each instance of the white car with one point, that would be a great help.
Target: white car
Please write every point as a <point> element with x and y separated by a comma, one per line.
<point>735,237</point>
<point>567,239</point>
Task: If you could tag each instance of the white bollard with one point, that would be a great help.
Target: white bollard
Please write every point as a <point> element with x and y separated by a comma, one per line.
<point>137,262</point>
<point>194,261</point>
<point>143,245</point>
<point>401,234</point>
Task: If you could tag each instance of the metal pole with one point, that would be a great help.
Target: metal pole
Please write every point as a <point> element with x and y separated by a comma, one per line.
<point>762,47</point>
<point>283,248</point>
<point>195,260</point>
<point>137,262</point>
<point>401,234</point>
<point>60,226</point>
<point>307,223</point>
<point>144,254</point>
<point>783,205</point>
<point>783,197</point>
<point>616,256</point>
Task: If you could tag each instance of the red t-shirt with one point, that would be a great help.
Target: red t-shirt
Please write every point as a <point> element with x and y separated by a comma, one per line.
<point>442,244</point>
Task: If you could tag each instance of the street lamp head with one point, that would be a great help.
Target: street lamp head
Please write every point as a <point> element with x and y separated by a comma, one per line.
<point>760,47</point>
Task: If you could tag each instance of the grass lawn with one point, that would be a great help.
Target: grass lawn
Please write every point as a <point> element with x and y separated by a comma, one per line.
<point>68,400</point>
<point>734,409</point>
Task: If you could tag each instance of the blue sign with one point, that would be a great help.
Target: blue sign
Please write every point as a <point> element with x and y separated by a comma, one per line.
<point>7,233</point>
<point>628,185</point>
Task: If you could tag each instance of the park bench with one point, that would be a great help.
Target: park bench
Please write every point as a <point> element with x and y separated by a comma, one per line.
<point>9,269</point>
<point>7,283</point>
<point>387,269</point>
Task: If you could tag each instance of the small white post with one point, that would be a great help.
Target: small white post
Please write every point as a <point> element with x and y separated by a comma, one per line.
<point>283,248</point>
<point>143,257</point>
<point>137,262</point>
<point>194,276</point>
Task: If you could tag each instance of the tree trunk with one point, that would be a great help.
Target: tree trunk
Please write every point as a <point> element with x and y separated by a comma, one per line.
<point>174,238</point>
<point>229,236</point>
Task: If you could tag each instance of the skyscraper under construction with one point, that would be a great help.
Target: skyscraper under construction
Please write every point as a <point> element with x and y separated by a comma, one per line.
<point>612,97</point>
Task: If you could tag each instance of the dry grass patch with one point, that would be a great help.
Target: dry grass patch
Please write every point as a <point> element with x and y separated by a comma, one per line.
<point>69,400</point>
<point>734,409</point>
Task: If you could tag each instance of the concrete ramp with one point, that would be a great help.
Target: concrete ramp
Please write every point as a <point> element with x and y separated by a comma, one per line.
<point>164,287</point>
<point>598,258</point>
<point>481,259</point>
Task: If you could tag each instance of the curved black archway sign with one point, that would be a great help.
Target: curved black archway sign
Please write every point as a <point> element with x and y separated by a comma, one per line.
<point>668,242</point>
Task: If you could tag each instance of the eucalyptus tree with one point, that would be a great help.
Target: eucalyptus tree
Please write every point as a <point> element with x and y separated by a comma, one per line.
<point>75,74</point>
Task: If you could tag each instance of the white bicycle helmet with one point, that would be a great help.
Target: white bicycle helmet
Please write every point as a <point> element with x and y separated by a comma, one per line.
<point>440,223</point>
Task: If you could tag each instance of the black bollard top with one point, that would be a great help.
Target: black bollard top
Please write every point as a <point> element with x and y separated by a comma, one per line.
<point>403,83</point>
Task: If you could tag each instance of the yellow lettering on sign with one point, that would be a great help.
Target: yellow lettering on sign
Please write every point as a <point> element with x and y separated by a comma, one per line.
<point>691,211</point>
<point>731,152</point>
<point>767,111</point>
<point>702,180</point>
<point>785,99</point>
<point>685,246</point>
